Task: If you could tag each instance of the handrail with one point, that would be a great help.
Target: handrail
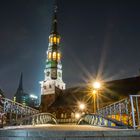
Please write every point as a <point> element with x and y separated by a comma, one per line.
<point>96,119</point>
<point>37,119</point>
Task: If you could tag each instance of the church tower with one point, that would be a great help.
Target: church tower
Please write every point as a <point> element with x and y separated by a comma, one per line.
<point>53,68</point>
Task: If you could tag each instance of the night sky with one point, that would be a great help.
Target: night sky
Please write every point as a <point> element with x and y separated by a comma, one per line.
<point>99,37</point>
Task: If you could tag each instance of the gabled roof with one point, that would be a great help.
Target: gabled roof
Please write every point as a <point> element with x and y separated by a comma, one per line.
<point>112,91</point>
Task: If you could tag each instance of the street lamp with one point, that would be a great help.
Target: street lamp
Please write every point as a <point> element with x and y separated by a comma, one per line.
<point>94,100</point>
<point>77,115</point>
<point>81,106</point>
<point>96,87</point>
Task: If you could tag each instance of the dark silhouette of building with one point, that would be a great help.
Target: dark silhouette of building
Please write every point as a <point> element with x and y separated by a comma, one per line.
<point>23,97</point>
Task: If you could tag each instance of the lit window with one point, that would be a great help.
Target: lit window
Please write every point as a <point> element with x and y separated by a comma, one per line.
<point>58,40</point>
<point>58,56</point>
<point>49,55</point>
<point>62,115</point>
<point>54,39</point>
<point>54,55</point>
<point>14,99</point>
<point>51,40</point>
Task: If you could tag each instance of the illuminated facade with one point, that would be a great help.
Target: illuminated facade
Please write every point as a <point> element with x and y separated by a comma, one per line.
<point>53,69</point>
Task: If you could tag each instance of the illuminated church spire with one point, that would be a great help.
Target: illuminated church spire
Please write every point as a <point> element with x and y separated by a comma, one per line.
<point>53,68</point>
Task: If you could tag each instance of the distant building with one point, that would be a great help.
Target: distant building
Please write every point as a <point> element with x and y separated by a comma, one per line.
<point>25,98</point>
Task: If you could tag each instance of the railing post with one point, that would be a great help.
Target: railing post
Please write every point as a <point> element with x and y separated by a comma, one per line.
<point>133,113</point>
<point>127,112</point>
<point>120,111</point>
<point>137,110</point>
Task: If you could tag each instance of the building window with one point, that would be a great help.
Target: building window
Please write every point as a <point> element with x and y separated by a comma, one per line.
<point>65,115</point>
<point>54,55</point>
<point>14,99</point>
<point>58,40</point>
<point>44,87</point>
<point>49,55</point>
<point>62,115</point>
<point>58,56</point>
<point>72,115</point>
<point>50,86</point>
<point>51,40</point>
<point>54,40</point>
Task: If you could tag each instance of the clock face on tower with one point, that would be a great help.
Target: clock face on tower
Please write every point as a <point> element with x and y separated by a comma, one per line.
<point>54,73</point>
<point>48,73</point>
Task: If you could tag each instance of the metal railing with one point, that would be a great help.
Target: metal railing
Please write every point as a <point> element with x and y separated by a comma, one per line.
<point>126,111</point>
<point>12,111</point>
<point>98,120</point>
<point>10,106</point>
<point>37,119</point>
<point>135,107</point>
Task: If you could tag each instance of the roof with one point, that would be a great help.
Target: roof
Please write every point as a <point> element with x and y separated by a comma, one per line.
<point>112,91</point>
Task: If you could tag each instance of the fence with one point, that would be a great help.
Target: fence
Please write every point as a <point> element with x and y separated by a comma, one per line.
<point>126,111</point>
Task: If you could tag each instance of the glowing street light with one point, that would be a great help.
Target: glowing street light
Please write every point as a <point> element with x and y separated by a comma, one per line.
<point>77,115</point>
<point>81,106</point>
<point>96,85</point>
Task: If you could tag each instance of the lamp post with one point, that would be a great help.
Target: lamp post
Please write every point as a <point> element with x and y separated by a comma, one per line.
<point>94,101</point>
<point>96,87</point>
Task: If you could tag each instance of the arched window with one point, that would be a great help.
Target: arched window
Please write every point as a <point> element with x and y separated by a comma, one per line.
<point>49,55</point>
<point>62,115</point>
<point>54,55</point>
<point>58,56</point>
<point>54,40</point>
<point>72,115</point>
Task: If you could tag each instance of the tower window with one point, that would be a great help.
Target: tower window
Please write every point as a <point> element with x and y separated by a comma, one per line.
<point>50,86</point>
<point>49,55</point>
<point>51,40</point>
<point>58,40</point>
<point>58,56</point>
<point>54,40</point>
<point>54,55</point>
<point>44,87</point>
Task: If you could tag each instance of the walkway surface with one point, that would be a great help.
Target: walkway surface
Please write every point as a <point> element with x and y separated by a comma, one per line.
<point>67,132</point>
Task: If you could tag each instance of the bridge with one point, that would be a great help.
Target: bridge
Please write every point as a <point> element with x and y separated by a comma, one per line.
<point>118,120</point>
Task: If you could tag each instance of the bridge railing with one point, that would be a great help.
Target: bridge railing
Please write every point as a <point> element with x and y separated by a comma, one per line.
<point>37,119</point>
<point>126,110</point>
<point>98,120</point>
<point>12,111</point>
<point>10,106</point>
<point>135,107</point>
